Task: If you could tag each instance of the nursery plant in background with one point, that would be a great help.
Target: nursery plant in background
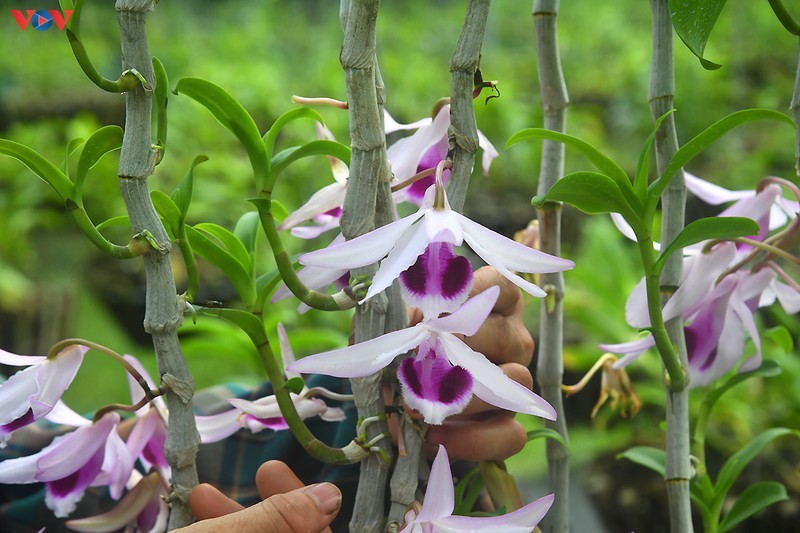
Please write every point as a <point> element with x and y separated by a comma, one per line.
<point>697,302</point>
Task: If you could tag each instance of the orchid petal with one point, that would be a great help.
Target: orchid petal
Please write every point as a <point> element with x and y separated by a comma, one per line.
<point>703,335</point>
<point>728,351</point>
<point>711,193</point>
<point>312,232</point>
<point>287,354</point>
<point>363,250</point>
<point>53,378</point>
<point>63,494</point>
<point>743,312</point>
<point>333,414</point>
<point>438,282</point>
<point>491,384</point>
<point>788,297</point>
<point>636,313</point>
<point>75,449</point>
<point>214,428</point>
<point>443,225</point>
<point>405,154</point>
<point>408,248</point>
<point>700,276</point>
<point>16,393</point>
<point>439,496</point>
<point>391,125</point>
<point>21,470</point>
<point>470,316</point>
<point>137,394</point>
<point>12,359</point>
<point>325,199</point>
<point>520,521</point>
<point>338,168</point>
<point>315,278</point>
<point>62,414</point>
<point>631,350</point>
<point>266,407</point>
<point>489,152</point>
<point>364,358</point>
<point>117,466</point>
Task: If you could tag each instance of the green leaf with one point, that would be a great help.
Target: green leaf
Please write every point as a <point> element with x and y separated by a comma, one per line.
<point>279,210</point>
<point>768,369</point>
<point>160,100</point>
<point>739,460</point>
<point>754,498</point>
<point>546,433</point>
<point>105,140</point>
<point>73,145</point>
<point>295,385</point>
<point>780,336</point>
<point>167,210</point>
<point>237,273</point>
<point>591,192</point>
<point>603,163</point>
<point>272,135</point>
<point>693,21</point>
<point>652,458</point>
<point>40,166</point>
<point>688,151</point>
<point>246,230</point>
<point>230,241</point>
<point>182,195</point>
<point>121,221</point>
<point>286,157</point>
<point>640,180</point>
<point>233,116</point>
<point>244,320</point>
<point>705,229</point>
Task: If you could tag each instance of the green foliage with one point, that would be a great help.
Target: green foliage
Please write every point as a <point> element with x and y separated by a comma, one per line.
<point>105,140</point>
<point>753,499</point>
<point>693,21</point>
<point>647,456</point>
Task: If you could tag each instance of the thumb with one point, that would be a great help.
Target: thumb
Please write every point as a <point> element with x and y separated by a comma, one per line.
<point>307,510</point>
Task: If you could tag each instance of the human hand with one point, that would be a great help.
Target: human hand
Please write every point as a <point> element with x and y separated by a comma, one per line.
<point>287,506</point>
<point>483,431</point>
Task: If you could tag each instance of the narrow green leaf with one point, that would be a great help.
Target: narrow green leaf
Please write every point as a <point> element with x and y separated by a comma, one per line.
<point>246,230</point>
<point>182,195</point>
<point>739,460</point>
<point>279,210</point>
<point>272,135</point>
<point>754,498</point>
<point>693,21</point>
<point>244,320</point>
<point>546,433</point>
<point>160,100</point>
<point>229,241</point>
<point>233,116</point>
<point>286,157</point>
<point>688,151</point>
<point>237,273</point>
<point>781,337</point>
<point>603,163</point>
<point>167,210</point>
<point>105,140</point>
<point>647,456</point>
<point>591,192</point>
<point>121,221</point>
<point>640,180</point>
<point>73,145</point>
<point>706,229</point>
<point>40,166</point>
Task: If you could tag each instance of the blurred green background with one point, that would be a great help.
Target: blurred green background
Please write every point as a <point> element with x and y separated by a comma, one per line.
<point>54,284</point>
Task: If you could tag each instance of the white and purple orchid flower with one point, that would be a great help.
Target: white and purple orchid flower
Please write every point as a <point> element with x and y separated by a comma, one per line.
<point>73,462</point>
<point>32,393</point>
<point>429,382</point>
<point>265,413</point>
<point>403,241</point>
<point>436,514</point>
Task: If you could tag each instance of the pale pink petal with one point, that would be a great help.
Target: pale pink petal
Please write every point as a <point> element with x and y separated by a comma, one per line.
<point>491,383</point>
<point>21,470</point>
<point>338,168</point>
<point>364,358</point>
<point>62,414</point>
<point>266,407</point>
<point>522,520</point>
<point>325,199</point>
<point>287,354</point>
<point>75,449</point>
<point>788,297</point>
<point>314,231</point>
<point>630,350</point>
<point>470,316</point>
<point>443,225</point>
<point>53,378</point>
<point>12,359</point>
<point>137,394</point>
<point>363,250</point>
<point>711,193</point>
<point>699,280</point>
<point>408,248</point>
<point>315,278</point>
<point>636,313</point>
<point>391,125</point>
<point>489,152</point>
<point>214,428</point>
<point>333,414</point>
<point>439,496</point>
<point>117,466</point>
<point>16,393</point>
<point>405,154</point>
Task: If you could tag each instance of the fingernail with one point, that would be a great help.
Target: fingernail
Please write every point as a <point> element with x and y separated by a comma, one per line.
<point>327,497</point>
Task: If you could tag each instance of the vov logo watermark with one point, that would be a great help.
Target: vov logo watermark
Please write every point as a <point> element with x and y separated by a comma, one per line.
<point>41,19</point>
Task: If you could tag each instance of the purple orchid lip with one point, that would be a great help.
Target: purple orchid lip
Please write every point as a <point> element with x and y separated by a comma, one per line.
<point>438,282</point>
<point>432,385</point>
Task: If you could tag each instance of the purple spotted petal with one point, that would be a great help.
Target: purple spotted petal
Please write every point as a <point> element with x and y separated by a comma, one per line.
<point>438,282</point>
<point>62,495</point>
<point>703,335</point>
<point>432,385</point>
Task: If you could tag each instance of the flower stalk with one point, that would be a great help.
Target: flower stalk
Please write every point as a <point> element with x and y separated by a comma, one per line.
<point>673,201</point>
<point>550,366</point>
<point>164,309</point>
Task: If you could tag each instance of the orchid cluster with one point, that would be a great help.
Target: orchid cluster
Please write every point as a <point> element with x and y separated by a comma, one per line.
<point>724,283</point>
<point>104,452</point>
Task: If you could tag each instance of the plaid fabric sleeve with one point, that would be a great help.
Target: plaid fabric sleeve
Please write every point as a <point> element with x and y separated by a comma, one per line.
<point>229,465</point>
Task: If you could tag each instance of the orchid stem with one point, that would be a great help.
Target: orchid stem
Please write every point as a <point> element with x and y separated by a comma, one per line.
<point>416,177</point>
<point>770,249</point>
<point>149,395</point>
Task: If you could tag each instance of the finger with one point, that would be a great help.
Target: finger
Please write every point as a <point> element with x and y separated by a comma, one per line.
<point>208,502</point>
<point>502,340</point>
<point>306,510</point>
<point>515,371</point>
<point>510,299</point>
<point>274,477</point>
<point>493,439</point>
